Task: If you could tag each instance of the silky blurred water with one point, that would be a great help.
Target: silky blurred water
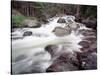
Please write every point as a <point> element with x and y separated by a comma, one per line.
<point>28,53</point>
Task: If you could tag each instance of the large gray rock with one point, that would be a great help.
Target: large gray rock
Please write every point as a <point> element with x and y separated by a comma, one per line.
<point>87,32</point>
<point>90,23</point>
<point>59,31</point>
<point>85,44</point>
<point>52,49</point>
<point>64,63</point>
<point>88,60</point>
<point>74,26</point>
<point>89,42</point>
<point>27,33</point>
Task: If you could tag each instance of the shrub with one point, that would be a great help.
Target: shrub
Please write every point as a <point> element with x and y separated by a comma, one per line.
<point>18,20</point>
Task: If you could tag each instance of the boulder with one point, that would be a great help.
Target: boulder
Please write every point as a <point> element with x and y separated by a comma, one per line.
<point>59,31</point>
<point>63,63</point>
<point>88,57</point>
<point>90,23</point>
<point>70,20</point>
<point>84,44</point>
<point>52,49</point>
<point>27,33</point>
<point>88,60</point>
<point>74,26</point>
<point>61,20</point>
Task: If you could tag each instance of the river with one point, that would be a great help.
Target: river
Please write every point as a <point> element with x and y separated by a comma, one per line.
<point>28,53</point>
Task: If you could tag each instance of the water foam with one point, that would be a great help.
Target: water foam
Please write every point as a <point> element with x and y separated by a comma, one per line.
<point>32,45</point>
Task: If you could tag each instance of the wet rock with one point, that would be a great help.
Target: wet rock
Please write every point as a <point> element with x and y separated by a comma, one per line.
<point>89,43</point>
<point>68,29</point>
<point>59,67</point>
<point>70,20</point>
<point>87,32</point>
<point>91,39</point>
<point>59,31</point>
<point>61,20</point>
<point>90,23</point>
<point>92,47</point>
<point>27,33</point>
<point>88,60</point>
<point>52,49</point>
<point>74,26</point>
<point>84,44</point>
<point>88,57</point>
<point>64,63</point>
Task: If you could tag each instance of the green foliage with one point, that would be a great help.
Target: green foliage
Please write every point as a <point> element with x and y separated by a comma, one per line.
<point>42,11</point>
<point>18,20</point>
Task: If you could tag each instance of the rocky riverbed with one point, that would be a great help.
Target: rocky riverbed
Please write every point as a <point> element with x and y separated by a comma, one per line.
<point>60,45</point>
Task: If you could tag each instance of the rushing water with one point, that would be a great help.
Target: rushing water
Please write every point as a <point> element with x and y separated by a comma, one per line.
<point>28,53</point>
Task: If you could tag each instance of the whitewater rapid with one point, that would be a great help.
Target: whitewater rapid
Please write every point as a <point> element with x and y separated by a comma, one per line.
<point>28,53</point>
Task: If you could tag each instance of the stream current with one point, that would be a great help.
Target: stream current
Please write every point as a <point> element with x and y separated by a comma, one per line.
<point>29,54</point>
